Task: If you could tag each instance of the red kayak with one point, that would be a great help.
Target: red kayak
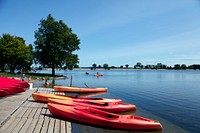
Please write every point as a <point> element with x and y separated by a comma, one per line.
<point>4,93</point>
<point>106,106</point>
<point>41,97</point>
<point>102,118</point>
<point>10,86</point>
<point>77,89</point>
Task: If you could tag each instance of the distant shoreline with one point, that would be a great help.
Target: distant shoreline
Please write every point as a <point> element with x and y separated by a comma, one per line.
<point>122,69</point>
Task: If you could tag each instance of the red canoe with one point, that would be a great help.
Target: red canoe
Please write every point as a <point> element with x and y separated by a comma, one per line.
<point>102,118</point>
<point>10,86</point>
<point>106,106</point>
<point>40,97</point>
<point>77,89</point>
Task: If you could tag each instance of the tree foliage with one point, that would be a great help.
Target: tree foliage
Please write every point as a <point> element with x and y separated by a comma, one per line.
<point>105,66</point>
<point>94,66</point>
<point>14,52</point>
<point>55,43</point>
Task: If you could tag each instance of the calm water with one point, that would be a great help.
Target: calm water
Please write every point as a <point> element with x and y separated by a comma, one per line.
<point>170,95</point>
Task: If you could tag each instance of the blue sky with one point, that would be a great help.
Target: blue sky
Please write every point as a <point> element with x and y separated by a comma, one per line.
<point>116,32</point>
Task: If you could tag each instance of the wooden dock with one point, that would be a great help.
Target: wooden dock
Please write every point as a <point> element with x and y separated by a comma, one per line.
<point>33,117</point>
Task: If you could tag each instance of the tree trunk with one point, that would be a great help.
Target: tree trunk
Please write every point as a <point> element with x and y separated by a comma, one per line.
<point>53,68</point>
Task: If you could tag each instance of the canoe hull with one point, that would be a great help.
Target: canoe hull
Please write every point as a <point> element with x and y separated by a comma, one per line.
<point>110,107</point>
<point>78,90</point>
<point>102,118</point>
<point>41,97</point>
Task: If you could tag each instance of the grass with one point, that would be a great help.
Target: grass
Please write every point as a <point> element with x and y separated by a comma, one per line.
<point>33,75</point>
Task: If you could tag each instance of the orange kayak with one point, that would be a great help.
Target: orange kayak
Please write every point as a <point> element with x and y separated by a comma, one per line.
<point>41,97</point>
<point>98,117</point>
<point>110,107</point>
<point>77,89</point>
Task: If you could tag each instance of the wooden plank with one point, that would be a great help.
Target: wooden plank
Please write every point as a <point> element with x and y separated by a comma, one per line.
<point>38,126</point>
<point>25,103</point>
<point>18,111</point>
<point>19,125</point>
<point>45,106</point>
<point>33,112</point>
<point>28,104</point>
<point>43,112</point>
<point>12,126</point>
<point>57,126</point>
<point>27,113</point>
<point>34,104</point>
<point>51,125</point>
<point>7,124</point>
<point>45,125</point>
<point>32,125</point>
<point>26,126</point>
<point>62,126</point>
<point>22,112</point>
<point>48,112</point>
<point>37,114</point>
<point>68,127</point>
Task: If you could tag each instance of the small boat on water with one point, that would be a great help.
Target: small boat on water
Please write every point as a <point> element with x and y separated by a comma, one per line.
<point>98,75</point>
<point>41,97</point>
<point>106,106</point>
<point>98,117</point>
<point>78,89</point>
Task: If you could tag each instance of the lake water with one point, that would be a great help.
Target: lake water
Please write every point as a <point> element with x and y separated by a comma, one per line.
<point>172,97</point>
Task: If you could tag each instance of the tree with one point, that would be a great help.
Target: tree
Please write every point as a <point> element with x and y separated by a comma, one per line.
<point>71,61</point>
<point>94,66</point>
<point>55,43</point>
<point>138,65</point>
<point>183,66</point>
<point>14,52</point>
<point>126,65</point>
<point>105,66</point>
<point>177,66</point>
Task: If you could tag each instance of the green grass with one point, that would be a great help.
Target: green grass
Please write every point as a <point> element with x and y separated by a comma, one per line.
<point>33,75</point>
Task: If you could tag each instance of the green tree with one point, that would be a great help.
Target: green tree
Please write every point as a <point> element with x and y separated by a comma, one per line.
<point>94,66</point>
<point>71,61</point>
<point>105,66</point>
<point>14,52</point>
<point>126,65</point>
<point>54,43</point>
<point>183,66</point>
<point>177,66</point>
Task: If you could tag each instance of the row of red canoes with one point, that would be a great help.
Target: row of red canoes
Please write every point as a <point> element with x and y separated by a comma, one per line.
<point>96,111</point>
<point>10,86</point>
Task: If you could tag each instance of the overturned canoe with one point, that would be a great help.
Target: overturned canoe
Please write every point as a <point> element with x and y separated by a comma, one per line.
<point>10,86</point>
<point>77,89</point>
<point>106,106</point>
<point>98,117</point>
<point>41,97</point>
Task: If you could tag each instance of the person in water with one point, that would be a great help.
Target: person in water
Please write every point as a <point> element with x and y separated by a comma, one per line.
<point>46,82</point>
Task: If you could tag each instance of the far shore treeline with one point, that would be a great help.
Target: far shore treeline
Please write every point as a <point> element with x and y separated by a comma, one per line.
<point>53,48</point>
<point>139,66</point>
